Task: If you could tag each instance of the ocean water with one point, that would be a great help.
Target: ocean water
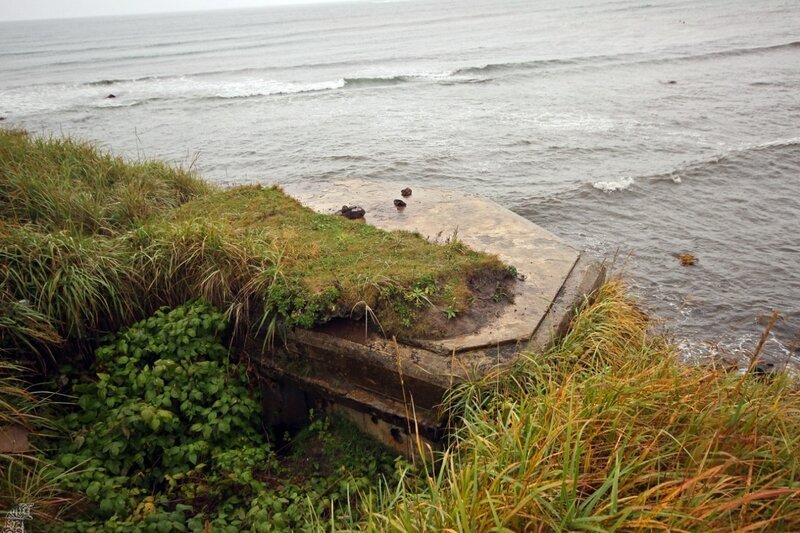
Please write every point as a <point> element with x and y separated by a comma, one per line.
<point>634,130</point>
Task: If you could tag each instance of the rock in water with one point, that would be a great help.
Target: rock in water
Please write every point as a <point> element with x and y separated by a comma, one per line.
<point>405,192</point>
<point>352,212</point>
<point>399,203</point>
<point>764,368</point>
<point>112,95</point>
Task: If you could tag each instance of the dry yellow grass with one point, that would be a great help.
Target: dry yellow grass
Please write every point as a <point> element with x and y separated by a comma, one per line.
<point>610,430</point>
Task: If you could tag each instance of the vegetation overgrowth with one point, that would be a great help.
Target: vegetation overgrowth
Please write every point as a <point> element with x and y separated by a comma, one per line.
<point>606,430</point>
<point>610,430</point>
<point>168,437</point>
<point>90,243</point>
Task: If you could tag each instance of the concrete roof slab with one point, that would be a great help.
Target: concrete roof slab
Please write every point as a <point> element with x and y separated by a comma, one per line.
<point>544,260</point>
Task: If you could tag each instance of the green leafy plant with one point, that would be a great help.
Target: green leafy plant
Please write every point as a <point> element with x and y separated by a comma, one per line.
<point>168,437</point>
<point>168,430</point>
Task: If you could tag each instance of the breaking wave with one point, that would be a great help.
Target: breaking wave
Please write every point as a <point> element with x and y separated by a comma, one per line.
<point>50,97</point>
<point>205,86</point>
<point>614,185</point>
<point>693,169</point>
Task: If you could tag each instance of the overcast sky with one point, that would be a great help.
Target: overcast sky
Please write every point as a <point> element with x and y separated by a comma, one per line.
<point>47,9</point>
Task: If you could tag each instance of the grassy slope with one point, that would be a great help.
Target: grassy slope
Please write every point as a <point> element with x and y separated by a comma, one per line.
<point>67,185</point>
<point>609,430</point>
<point>90,243</point>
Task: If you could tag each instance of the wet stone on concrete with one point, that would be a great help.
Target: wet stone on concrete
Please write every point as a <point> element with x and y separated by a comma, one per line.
<point>379,382</point>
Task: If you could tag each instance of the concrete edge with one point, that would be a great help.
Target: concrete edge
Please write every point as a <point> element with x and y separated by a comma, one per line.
<point>287,397</point>
<point>583,281</point>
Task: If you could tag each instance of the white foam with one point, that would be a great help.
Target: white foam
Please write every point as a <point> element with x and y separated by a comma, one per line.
<point>613,185</point>
<point>244,88</point>
<point>389,74</point>
<point>198,88</point>
<point>57,97</point>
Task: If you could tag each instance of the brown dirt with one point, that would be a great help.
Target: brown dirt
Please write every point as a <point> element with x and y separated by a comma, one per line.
<point>492,292</point>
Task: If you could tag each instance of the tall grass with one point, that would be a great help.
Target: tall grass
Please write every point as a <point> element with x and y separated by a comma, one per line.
<point>76,284</point>
<point>62,184</point>
<point>609,430</point>
<point>65,279</point>
<point>208,259</point>
<point>25,476</point>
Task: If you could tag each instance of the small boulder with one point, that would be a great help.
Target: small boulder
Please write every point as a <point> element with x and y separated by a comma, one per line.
<point>352,212</point>
<point>112,95</point>
<point>405,192</point>
<point>399,204</point>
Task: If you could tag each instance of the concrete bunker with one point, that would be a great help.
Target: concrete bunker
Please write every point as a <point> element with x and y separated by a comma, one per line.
<point>393,389</point>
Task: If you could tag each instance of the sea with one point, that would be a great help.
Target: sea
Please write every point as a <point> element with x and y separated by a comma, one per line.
<point>636,130</point>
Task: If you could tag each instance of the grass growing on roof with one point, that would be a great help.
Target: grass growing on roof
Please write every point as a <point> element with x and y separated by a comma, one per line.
<point>320,266</point>
<point>610,430</point>
<point>89,243</point>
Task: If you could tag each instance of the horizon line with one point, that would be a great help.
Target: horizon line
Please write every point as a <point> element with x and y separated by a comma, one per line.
<point>283,4</point>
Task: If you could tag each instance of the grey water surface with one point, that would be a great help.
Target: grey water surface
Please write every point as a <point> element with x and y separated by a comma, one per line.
<point>634,129</point>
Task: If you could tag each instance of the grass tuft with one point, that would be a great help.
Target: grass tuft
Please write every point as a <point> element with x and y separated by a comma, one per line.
<point>25,475</point>
<point>61,184</point>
